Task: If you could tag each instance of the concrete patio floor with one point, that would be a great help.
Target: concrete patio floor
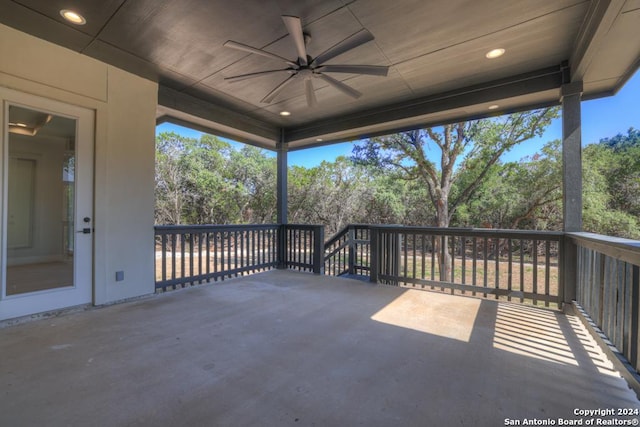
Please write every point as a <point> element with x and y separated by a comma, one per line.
<point>284,348</point>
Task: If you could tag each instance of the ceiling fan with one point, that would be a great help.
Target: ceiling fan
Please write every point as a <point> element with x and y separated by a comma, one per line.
<point>306,68</point>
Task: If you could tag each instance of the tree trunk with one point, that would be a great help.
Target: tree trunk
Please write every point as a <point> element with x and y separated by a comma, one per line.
<point>442,243</point>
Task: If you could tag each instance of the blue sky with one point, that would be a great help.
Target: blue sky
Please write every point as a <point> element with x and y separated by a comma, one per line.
<point>601,118</point>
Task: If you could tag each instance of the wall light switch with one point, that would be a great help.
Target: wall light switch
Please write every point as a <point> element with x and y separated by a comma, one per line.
<point>119,276</point>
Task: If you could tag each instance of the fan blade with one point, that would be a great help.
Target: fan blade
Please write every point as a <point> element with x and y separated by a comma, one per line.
<point>258,74</point>
<point>271,95</point>
<point>294,26</point>
<point>372,70</point>
<point>361,37</point>
<point>245,48</point>
<point>310,92</point>
<point>340,86</point>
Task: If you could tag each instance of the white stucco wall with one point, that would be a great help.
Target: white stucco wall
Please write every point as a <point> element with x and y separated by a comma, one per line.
<point>124,151</point>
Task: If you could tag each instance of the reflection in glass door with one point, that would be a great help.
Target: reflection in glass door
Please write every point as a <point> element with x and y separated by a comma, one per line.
<point>40,201</point>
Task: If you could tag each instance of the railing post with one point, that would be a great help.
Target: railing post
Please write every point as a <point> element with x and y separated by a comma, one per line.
<point>282,247</point>
<point>374,266</point>
<point>397,257</point>
<point>352,250</point>
<point>635,317</point>
<point>318,249</point>
<point>569,267</point>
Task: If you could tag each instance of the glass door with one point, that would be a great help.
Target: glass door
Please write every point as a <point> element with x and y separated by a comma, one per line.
<point>48,181</point>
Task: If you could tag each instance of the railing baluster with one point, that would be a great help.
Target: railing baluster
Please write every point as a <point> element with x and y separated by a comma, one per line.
<point>208,260</point>
<point>163,254</point>
<point>463,247</point>
<point>236,241</point>
<point>200,257</point>
<point>302,248</point>
<point>433,259</point>
<point>289,248</point>
<point>475,264</point>
<point>242,251</point>
<point>547,272</point>
<point>535,272</point>
<point>510,268</point>
<point>443,260</point>
<point>485,259</point>
<point>413,235</point>
<point>522,287</point>
<point>228,242</point>
<point>191,255</point>
<point>422,257</point>
<point>182,256</point>
<point>405,258</point>
<point>497,256</point>
<point>260,248</point>
<point>453,261</point>
<point>217,251</point>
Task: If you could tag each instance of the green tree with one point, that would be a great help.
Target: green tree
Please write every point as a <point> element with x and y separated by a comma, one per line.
<point>192,184</point>
<point>524,194</point>
<point>611,183</point>
<point>169,192</point>
<point>469,149</point>
<point>254,174</point>
<point>333,193</point>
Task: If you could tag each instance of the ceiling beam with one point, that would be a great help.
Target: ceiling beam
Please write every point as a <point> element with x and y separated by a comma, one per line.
<point>599,20</point>
<point>199,114</point>
<point>529,83</point>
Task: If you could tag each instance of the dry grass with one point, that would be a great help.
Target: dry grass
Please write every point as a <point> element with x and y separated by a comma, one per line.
<point>520,278</point>
<point>543,280</point>
<point>197,264</point>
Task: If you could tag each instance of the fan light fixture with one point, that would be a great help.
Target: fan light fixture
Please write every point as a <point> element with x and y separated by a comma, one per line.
<point>305,69</point>
<point>285,113</point>
<point>73,17</point>
<point>495,53</point>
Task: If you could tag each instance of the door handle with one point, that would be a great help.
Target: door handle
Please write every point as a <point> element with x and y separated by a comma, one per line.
<point>84,231</point>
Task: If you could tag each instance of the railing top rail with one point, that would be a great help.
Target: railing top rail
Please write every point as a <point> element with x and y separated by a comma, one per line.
<point>616,247</point>
<point>343,231</point>
<point>336,237</point>
<point>473,232</point>
<point>303,226</point>
<point>214,227</point>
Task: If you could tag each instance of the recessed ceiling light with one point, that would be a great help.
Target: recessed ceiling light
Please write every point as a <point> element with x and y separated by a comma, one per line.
<point>319,139</point>
<point>495,53</point>
<point>285,113</point>
<point>494,107</point>
<point>73,17</point>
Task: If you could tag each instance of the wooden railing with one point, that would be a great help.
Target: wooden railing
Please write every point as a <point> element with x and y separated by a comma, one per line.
<point>302,247</point>
<point>348,252</point>
<point>608,290</point>
<point>188,255</point>
<point>510,264</point>
<point>524,266</point>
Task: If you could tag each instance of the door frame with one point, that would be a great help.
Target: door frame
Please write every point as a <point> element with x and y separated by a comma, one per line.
<point>82,292</point>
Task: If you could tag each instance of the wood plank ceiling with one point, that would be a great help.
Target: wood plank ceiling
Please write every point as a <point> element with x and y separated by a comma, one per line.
<point>435,50</point>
